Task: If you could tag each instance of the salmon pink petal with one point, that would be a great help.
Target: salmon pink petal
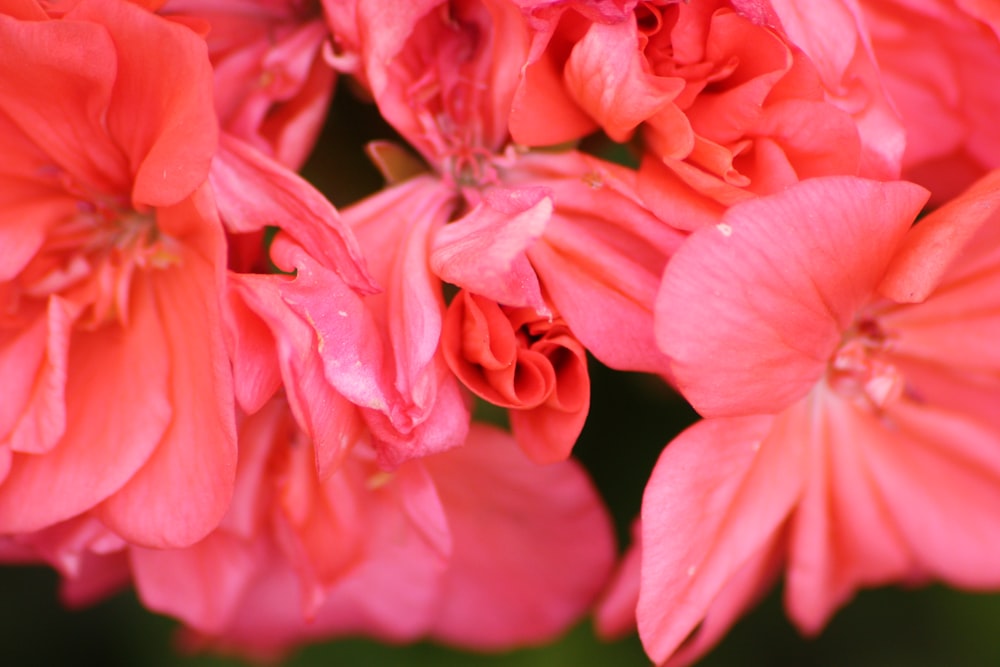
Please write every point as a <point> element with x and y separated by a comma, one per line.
<point>344,333</point>
<point>601,258</point>
<point>747,587</point>
<point>255,192</point>
<point>828,35</point>
<point>496,593</point>
<point>933,246</point>
<point>940,473</point>
<point>106,441</point>
<point>672,200</point>
<point>842,536</point>
<point>295,338</point>
<point>608,76</point>
<point>161,112</point>
<point>484,252</point>
<point>202,585</point>
<point>256,374</point>
<point>816,138</point>
<point>182,492</point>
<point>615,614</point>
<point>100,576</point>
<point>548,432</point>
<point>956,328</point>
<point>43,413</point>
<point>21,199</point>
<point>63,73</point>
<point>776,282</point>
<point>543,112</point>
<point>717,497</point>
<point>427,411</point>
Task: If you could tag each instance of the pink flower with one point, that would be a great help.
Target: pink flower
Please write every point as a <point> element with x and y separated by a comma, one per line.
<point>846,366</point>
<point>119,398</point>
<point>443,74</point>
<point>732,98</point>
<point>470,547</point>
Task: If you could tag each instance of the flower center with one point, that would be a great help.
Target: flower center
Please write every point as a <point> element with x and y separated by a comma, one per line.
<point>859,369</point>
<point>90,258</point>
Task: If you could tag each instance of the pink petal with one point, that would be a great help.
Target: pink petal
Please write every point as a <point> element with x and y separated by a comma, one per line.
<point>499,593</point>
<point>543,112</point>
<point>940,473</point>
<point>932,247</point>
<point>828,34</point>
<point>608,76</point>
<point>601,258</point>
<point>63,72</point>
<point>110,371</point>
<point>717,497</point>
<point>182,492</point>
<point>484,252</point>
<point>161,112</point>
<point>255,192</point>
<point>202,585</point>
<point>42,373</point>
<point>615,614</point>
<point>746,588</point>
<point>842,537</point>
<point>427,412</point>
<point>751,309</point>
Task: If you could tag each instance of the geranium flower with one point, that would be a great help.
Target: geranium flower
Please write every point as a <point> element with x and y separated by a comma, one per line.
<point>732,99</point>
<point>845,363</point>
<point>119,398</point>
<point>434,549</point>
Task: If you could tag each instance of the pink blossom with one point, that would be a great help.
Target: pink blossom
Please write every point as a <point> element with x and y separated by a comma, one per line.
<point>843,360</point>
<point>436,548</point>
<point>732,99</point>
<point>523,230</point>
<point>119,398</point>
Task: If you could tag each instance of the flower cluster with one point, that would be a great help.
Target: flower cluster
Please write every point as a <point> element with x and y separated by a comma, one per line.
<point>258,410</point>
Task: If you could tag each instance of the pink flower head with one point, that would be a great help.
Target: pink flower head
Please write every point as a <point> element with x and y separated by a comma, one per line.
<point>844,361</point>
<point>438,548</point>
<point>119,393</point>
<point>732,98</point>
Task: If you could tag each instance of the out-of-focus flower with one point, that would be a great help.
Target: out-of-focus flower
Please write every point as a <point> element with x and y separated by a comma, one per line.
<point>846,366</point>
<point>938,59</point>
<point>434,549</point>
<point>272,85</point>
<point>119,397</point>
